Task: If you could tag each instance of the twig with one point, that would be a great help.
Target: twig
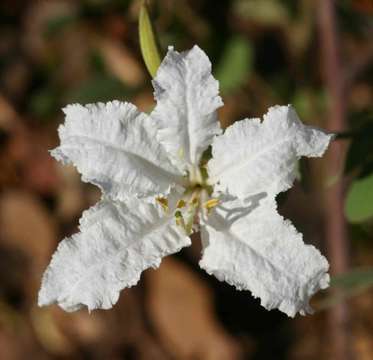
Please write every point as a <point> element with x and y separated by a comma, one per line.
<point>336,233</point>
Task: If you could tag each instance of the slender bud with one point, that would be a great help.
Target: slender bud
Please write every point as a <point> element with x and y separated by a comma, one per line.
<point>148,43</point>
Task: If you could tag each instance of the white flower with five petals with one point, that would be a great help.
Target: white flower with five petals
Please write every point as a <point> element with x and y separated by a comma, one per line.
<point>157,189</point>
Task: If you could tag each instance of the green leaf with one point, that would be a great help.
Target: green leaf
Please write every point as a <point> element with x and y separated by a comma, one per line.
<point>348,285</point>
<point>359,202</point>
<point>235,65</point>
<point>356,278</point>
<point>360,153</point>
<point>59,23</point>
<point>268,12</point>
<point>100,87</point>
<point>148,43</point>
<point>44,102</point>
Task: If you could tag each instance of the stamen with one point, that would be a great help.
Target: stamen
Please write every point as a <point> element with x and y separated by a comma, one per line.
<point>192,211</point>
<point>180,204</point>
<point>211,203</point>
<point>163,202</point>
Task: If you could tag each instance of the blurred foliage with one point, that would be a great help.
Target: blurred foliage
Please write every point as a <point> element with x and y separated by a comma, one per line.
<point>263,52</point>
<point>57,24</point>
<point>268,12</point>
<point>102,86</point>
<point>356,278</point>
<point>359,202</point>
<point>347,285</point>
<point>359,163</point>
<point>235,65</point>
<point>360,152</point>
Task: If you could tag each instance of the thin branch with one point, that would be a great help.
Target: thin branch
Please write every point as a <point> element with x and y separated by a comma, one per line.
<point>336,233</point>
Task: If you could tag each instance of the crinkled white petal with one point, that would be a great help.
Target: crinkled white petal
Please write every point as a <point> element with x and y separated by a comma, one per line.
<point>187,99</point>
<point>116,242</point>
<point>114,146</point>
<point>254,156</point>
<point>249,245</point>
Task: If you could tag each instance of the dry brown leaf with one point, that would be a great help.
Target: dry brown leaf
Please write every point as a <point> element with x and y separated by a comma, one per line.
<point>27,226</point>
<point>365,6</point>
<point>37,17</point>
<point>227,113</point>
<point>181,309</point>
<point>106,333</point>
<point>16,79</point>
<point>48,333</point>
<point>8,115</point>
<point>70,200</point>
<point>9,347</point>
<point>361,96</point>
<point>121,63</point>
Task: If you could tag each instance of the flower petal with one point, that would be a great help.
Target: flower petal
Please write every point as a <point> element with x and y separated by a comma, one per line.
<point>187,99</point>
<point>249,245</point>
<point>116,243</point>
<point>114,146</point>
<point>254,156</point>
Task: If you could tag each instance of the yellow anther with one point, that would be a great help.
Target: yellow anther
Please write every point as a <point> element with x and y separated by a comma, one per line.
<point>180,204</point>
<point>163,202</point>
<point>211,203</point>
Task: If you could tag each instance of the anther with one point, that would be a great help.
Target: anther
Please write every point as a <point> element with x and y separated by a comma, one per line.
<point>210,204</point>
<point>163,202</point>
<point>180,204</point>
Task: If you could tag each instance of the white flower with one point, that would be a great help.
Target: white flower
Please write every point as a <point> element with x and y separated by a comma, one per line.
<point>157,187</point>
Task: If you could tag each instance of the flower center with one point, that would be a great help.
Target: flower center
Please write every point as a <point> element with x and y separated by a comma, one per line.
<point>194,202</point>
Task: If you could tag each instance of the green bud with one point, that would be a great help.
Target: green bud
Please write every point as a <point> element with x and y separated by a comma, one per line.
<point>148,44</point>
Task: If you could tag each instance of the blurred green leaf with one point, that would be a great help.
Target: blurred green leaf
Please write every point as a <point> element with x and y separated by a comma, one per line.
<point>359,202</point>
<point>44,103</point>
<point>352,279</point>
<point>269,12</point>
<point>235,65</point>
<point>360,152</point>
<point>148,43</point>
<point>101,88</point>
<point>309,102</point>
<point>349,284</point>
<point>302,101</point>
<point>59,23</point>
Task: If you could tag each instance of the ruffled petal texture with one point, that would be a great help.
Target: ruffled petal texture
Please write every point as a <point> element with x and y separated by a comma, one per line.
<point>114,146</point>
<point>187,99</point>
<point>249,245</point>
<point>116,242</point>
<point>254,156</point>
